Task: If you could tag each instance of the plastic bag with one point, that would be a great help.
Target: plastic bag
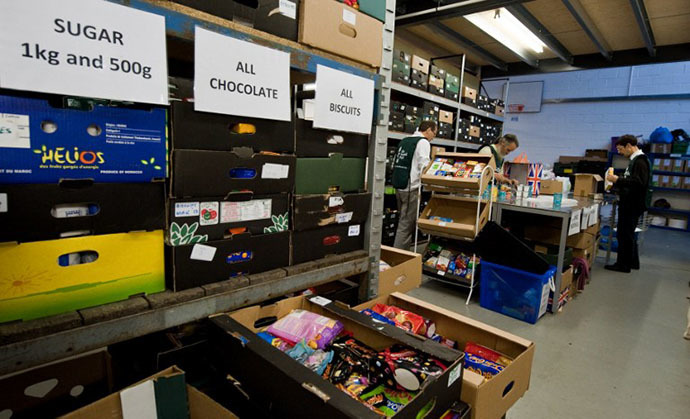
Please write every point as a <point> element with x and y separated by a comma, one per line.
<point>318,331</point>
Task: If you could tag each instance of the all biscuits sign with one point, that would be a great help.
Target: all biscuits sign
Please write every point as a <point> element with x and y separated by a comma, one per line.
<point>344,102</point>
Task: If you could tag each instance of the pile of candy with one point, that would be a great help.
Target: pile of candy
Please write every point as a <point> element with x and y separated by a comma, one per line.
<point>455,168</point>
<point>385,381</point>
<point>449,261</point>
<point>484,361</point>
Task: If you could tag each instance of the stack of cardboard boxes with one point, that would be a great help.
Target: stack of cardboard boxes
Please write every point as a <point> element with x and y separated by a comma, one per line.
<point>81,204</point>
<point>677,179</point>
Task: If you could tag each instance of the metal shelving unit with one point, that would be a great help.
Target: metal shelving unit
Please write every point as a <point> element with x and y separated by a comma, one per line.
<point>660,188</point>
<point>27,344</point>
<point>662,172</point>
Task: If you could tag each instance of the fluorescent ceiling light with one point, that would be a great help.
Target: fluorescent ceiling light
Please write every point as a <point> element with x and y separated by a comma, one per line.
<point>501,25</point>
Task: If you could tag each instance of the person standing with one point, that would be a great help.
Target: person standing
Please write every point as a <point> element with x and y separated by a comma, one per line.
<point>412,156</point>
<point>500,149</point>
<point>632,190</point>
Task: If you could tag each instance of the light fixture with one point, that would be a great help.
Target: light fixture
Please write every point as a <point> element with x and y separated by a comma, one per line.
<point>501,25</point>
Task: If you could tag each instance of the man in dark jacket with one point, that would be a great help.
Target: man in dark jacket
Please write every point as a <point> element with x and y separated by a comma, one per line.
<point>632,189</point>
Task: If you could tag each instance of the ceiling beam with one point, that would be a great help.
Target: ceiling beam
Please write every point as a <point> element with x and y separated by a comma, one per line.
<point>540,31</point>
<point>645,28</point>
<point>464,43</point>
<point>463,7</point>
<point>588,26</point>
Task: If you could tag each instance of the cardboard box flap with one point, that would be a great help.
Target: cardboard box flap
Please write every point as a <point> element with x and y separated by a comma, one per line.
<point>404,274</point>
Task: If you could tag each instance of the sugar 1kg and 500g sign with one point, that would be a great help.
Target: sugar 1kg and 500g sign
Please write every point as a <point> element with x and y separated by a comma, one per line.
<point>77,29</point>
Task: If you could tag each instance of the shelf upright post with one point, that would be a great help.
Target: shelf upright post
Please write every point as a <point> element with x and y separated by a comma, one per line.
<point>376,171</point>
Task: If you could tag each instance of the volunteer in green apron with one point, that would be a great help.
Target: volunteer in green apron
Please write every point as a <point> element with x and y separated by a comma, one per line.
<point>500,149</point>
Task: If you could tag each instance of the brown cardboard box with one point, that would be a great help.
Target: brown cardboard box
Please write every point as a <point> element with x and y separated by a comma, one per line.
<point>661,148</point>
<point>665,182</point>
<point>463,212</point>
<point>676,182</point>
<point>686,183</point>
<point>332,26</point>
<point>436,82</point>
<point>469,92</point>
<point>551,235</point>
<point>420,64</point>
<point>658,164</point>
<point>200,405</point>
<point>686,168</point>
<point>445,116</point>
<point>586,184</point>
<point>577,159</point>
<point>435,150</point>
<point>666,165</point>
<point>602,154</point>
<point>500,111</point>
<point>678,165</point>
<point>457,183</point>
<point>490,399</point>
<point>475,131</point>
<point>550,187</point>
<point>656,180</point>
<point>405,273</point>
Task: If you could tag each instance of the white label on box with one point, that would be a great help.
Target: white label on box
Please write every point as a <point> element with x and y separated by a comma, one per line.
<point>335,201</point>
<point>584,218</point>
<point>350,17</point>
<point>441,273</point>
<point>288,8</point>
<point>343,218</point>
<point>454,374</point>
<point>442,224</point>
<point>186,209</point>
<point>4,207</point>
<point>344,102</point>
<point>594,215</point>
<point>83,48</point>
<point>232,212</point>
<point>308,108</point>
<point>575,222</point>
<point>353,231</point>
<point>203,252</point>
<point>208,213</point>
<point>14,131</point>
<point>139,402</point>
<point>320,301</point>
<point>275,171</point>
<point>236,77</point>
<point>544,299</point>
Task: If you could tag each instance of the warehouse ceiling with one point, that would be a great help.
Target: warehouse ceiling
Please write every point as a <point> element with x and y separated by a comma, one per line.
<point>578,33</point>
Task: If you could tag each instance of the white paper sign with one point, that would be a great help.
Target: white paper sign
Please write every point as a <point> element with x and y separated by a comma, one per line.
<point>336,201</point>
<point>288,8</point>
<point>186,209</point>
<point>240,78</point>
<point>4,207</point>
<point>344,102</point>
<point>275,171</point>
<point>203,252</point>
<point>322,301</point>
<point>14,131</point>
<point>349,17</point>
<point>584,219</point>
<point>575,222</point>
<point>353,231</point>
<point>344,217</point>
<point>232,212</point>
<point>139,402</point>
<point>84,48</point>
<point>594,216</point>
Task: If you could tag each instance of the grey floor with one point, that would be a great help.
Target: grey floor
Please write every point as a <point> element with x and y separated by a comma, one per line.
<point>616,351</point>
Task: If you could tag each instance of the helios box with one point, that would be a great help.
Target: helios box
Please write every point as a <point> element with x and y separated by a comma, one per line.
<point>44,142</point>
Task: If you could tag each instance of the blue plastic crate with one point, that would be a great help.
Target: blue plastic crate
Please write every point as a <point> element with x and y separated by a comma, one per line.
<point>515,293</point>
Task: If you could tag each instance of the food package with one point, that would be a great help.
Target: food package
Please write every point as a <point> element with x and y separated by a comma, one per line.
<point>482,366</point>
<point>316,330</point>
<point>488,354</point>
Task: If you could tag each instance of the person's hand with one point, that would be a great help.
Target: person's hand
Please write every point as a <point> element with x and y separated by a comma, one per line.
<point>513,182</point>
<point>612,178</point>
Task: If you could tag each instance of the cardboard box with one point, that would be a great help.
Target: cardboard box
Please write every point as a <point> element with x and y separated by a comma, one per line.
<point>686,168</point>
<point>50,211</point>
<point>470,93</point>
<point>335,27</point>
<point>419,77</point>
<point>436,85</point>
<point>314,211</point>
<point>402,56</point>
<point>217,173</point>
<point>199,405</point>
<point>198,220</point>
<point>401,77</point>
<point>686,183</point>
<point>550,235</point>
<point>446,117</point>
<point>84,141</point>
<point>192,130</point>
<point>413,111</point>
<point>500,111</point>
<point>430,108</point>
<point>660,148</point>
<point>294,388</point>
<point>666,165</point>
<point>241,254</point>
<point>602,154</point>
<point>490,399</point>
<point>92,372</point>
<point>678,165</point>
<point>329,174</point>
<point>420,64</point>
<point>329,240</point>
<point>566,284</point>
<point>126,264</point>
<point>665,181</point>
<point>315,142</point>
<point>550,187</point>
<point>656,180</point>
<point>462,211</point>
<point>676,182</point>
<point>587,184</point>
<point>475,131</point>
<point>419,85</point>
<point>658,164</point>
<point>374,8</point>
<point>459,183</point>
<point>404,274</point>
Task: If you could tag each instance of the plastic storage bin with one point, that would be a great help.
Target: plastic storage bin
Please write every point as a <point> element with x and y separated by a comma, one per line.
<point>515,293</point>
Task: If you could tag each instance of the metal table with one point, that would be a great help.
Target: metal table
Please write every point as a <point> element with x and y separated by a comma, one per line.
<point>564,213</point>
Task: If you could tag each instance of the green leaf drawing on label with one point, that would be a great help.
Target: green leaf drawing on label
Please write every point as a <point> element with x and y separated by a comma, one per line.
<point>181,235</point>
<point>280,223</point>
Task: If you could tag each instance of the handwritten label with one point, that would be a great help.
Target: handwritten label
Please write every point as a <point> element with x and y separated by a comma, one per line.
<point>353,231</point>
<point>84,48</point>
<point>14,131</point>
<point>594,216</point>
<point>287,8</point>
<point>320,301</point>
<point>4,207</point>
<point>240,78</point>
<point>335,201</point>
<point>186,209</point>
<point>203,252</point>
<point>344,102</point>
<point>575,222</point>
<point>343,218</point>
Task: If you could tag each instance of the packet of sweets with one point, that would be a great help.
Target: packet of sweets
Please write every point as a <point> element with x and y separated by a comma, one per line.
<point>488,354</point>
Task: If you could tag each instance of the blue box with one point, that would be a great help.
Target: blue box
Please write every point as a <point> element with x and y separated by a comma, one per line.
<point>515,293</point>
<point>40,143</point>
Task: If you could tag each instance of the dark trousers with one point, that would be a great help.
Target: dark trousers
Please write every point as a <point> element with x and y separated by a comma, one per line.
<point>628,256</point>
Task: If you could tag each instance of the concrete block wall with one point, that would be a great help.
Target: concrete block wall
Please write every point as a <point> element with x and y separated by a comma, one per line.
<point>571,128</point>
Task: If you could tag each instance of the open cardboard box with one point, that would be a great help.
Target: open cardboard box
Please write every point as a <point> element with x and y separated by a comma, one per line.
<point>453,183</point>
<point>463,212</point>
<point>287,387</point>
<point>404,274</point>
<point>200,405</point>
<point>490,399</point>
